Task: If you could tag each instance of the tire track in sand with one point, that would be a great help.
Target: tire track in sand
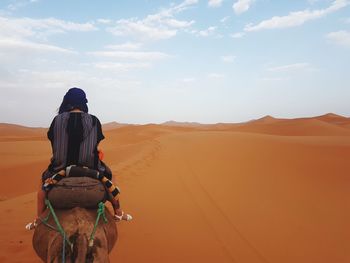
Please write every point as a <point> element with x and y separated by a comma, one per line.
<point>235,246</point>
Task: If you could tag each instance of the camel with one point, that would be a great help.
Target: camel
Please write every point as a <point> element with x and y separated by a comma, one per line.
<point>78,224</point>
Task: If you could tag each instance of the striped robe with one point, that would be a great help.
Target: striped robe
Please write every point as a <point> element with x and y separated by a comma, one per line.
<point>74,138</point>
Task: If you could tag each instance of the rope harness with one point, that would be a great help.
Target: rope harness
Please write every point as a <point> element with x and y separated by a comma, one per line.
<point>100,211</point>
<point>59,228</point>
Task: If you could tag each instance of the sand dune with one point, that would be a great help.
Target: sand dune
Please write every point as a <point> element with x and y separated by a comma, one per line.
<point>334,118</point>
<point>13,132</point>
<point>297,127</point>
<point>186,124</point>
<point>113,125</point>
<point>325,125</point>
<point>267,191</point>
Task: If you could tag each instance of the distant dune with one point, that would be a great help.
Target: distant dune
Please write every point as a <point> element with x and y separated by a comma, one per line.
<point>13,130</point>
<point>186,124</point>
<point>113,125</point>
<point>296,127</point>
<point>265,120</point>
<point>269,190</point>
<point>334,119</point>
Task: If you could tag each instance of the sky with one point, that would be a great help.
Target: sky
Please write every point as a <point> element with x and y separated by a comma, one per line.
<point>151,61</point>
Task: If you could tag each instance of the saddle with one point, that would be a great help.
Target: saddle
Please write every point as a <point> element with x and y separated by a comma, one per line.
<point>80,187</point>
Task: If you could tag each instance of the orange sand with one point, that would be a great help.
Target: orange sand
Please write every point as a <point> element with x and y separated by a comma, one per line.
<point>270,190</point>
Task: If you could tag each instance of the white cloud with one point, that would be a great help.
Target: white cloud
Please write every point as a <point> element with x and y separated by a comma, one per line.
<point>181,7</point>
<point>290,67</point>
<point>242,6</point>
<point>121,67</point>
<point>340,37</point>
<point>141,30</point>
<point>64,25</point>
<point>228,58</point>
<point>188,80</point>
<point>178,23</point>
<point>22,46</point>
<point>161,25</point>
<point>215,3</point>
<point>125,57</point>
<point>29,27</point>
<point>274,79</point>
<point>125,46</point>
<point>313,1</point>
<point>133,55</point>
<point>19,4</point>
<point>207,32</point>
<point>238,35</point>
<point>50,79</point>
<point>103,21</point>
<point>215,76</point>
<point>224,19</point>
<point>296,18</point>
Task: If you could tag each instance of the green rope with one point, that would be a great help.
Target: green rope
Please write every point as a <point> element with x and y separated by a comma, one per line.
<point>46,218</point>
<point>64,248</point>
<point>100,211</point>
<point>45,221</point>
<point>59,227</point>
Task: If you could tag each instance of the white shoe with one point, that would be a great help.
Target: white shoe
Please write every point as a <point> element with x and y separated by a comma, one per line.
<point>123,216</point>
<point>31,225</point>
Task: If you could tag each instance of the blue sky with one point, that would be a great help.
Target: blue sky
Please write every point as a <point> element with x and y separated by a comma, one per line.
<point>192,60</point>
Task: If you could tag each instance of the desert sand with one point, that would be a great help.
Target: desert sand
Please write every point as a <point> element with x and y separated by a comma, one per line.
<point>269,190</point>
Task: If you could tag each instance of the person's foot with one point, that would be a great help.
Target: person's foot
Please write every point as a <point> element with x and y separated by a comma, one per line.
<point>120,215</point>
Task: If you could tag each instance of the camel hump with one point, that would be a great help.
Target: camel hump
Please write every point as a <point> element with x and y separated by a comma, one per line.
<point>72,192</point>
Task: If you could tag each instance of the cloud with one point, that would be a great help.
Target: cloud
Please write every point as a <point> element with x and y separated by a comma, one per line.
<point>141,30</point>
<point>161,25</point>
<point>104,21</point>
<point>207,32</point>
<point>290,67</point>
<point>241,6</point>
<point>313,1</point>
<point>224,19</point>
<point>125,57</point>
<point>274,79</point>
<point>181,7</point>
<point>296,18</point>
<point>238,35</point>
<point>121,67</point>
<point>178,23</point>
<point>228,58</point>
<point>133,55</point>
<point>215,3</point>
<point>340,37</point>
<point>20,4</point>
<point>125,46</point>
<point>38,28</point>
<point>22,46</point>
<point>215,76</point>
<point>188,80</point>
<point>51,79</point>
